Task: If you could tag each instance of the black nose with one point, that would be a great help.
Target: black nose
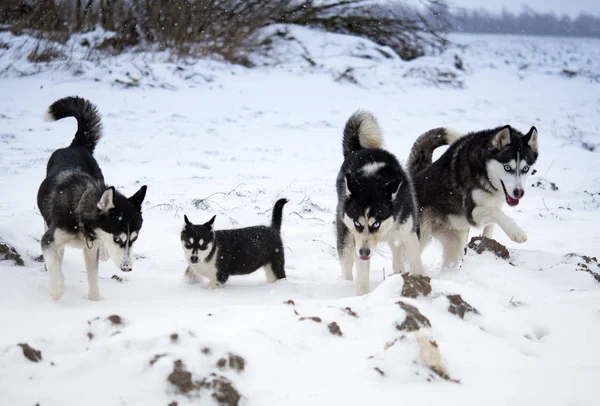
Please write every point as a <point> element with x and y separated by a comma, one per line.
<point>519,193</point>
<point>194,259</point>
<point>364,252</point>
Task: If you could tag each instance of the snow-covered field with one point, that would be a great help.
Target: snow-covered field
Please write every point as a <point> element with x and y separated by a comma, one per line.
<point>238,139</point>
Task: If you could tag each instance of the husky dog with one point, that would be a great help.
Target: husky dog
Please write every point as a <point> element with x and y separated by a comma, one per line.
<point>375,203</point>
<point>218,254</point>
<point>79,209</point>
<point>468,184</point>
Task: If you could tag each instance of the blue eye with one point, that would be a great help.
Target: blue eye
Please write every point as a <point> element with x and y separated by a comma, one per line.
<point>376,224</point>
<point>357,224</point>
<point>117,239</point>
<point>507,168</point>
<point>525,169</point>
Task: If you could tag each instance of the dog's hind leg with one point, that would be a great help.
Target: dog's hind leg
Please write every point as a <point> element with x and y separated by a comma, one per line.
<point>91,256</point>
<point>275,270</point>
<point>453,244</point>
<point>54,252</point>
<point>488,231</point>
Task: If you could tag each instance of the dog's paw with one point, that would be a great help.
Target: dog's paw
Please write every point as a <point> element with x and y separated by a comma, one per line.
<point>213,285</point>
<point>515,233</point>
<point>57,290</point>
<point>362,289</point>
<point>94,295</point>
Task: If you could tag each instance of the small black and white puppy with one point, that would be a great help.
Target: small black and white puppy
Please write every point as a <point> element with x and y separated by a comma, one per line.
<point>218,254</point>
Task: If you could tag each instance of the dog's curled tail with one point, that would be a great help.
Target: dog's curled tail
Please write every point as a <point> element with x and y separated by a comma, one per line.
<point>421,154</point>
<point>89,127</point>
<point>278,213</point>
<point>362,131</point>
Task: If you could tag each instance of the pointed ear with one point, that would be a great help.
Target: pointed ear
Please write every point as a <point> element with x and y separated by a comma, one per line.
<point>349,187</point>
<point>137,199</point>
<point>502,138</point>
<point>187,222</point>
<point>532,139</point>
<point>210,222</point>
<point>395,193</point>
<point>107,200</point>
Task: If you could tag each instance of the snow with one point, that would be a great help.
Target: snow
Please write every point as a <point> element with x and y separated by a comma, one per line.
<point>240,139</point>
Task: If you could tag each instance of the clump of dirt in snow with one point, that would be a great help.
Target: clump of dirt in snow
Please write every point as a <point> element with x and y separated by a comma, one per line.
<point>115,319</point>
<point>430,355</point>
<point>481,244</point>
<point>334,329</point>
<point>181,378</point>
<point>289,302</point>
<point>31,353</point>
<point>414,320</point>
<point>314,318</point>
<point>459,306</point>
<point>350,312</point>
<point>223,390</point>
<point>9,253</point>
<point>415,285</point>
<point>174,337</point>
<point>117,278</point>
<point>234,362</point>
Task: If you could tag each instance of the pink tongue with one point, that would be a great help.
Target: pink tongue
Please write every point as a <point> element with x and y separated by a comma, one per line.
<point>511,201</point>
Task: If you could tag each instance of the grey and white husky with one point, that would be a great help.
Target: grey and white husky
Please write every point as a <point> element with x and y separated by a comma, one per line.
<point>375,203</point>
<point>79,209</point>
<point>467,186</point>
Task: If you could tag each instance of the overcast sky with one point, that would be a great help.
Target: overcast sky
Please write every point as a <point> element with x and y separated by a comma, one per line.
<point>571,8</point>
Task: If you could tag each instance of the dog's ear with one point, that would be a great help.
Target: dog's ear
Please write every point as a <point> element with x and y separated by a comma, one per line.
<point>187,222</point>
<point>107,200</point>
<point>210,222</point>
<point>137,199</point>
<point>531,138</point>
<point>350,187</point>
<point>502,138</point>
<point>396,191</point>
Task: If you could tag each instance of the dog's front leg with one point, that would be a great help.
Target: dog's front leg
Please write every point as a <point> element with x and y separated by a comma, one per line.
<point>347,261</point>
<point>91,256</point>
<point>53,256</point>
<point>362,276</point>
<point>397,249</point>
<point>488,231</point>
<point>410,241</point>
<point>487,215</point>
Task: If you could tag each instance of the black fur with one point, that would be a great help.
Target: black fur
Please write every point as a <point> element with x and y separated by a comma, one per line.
<point>445,186</point>
<point>74,184</point>
<point>240,251</point>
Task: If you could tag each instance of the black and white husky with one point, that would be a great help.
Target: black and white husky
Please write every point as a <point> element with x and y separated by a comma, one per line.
<point>79,209</point>
<point>467,186</point>
<point>375,203</point>
<point>218,254</point>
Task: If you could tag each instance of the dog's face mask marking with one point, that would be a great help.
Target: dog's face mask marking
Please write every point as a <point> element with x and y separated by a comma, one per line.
<point>120,224</point>
<point>197,241</point>
<point>368,216</point>
<point>513,161</point>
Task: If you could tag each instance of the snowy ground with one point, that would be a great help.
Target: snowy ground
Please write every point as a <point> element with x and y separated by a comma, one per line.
<point>244,139</point>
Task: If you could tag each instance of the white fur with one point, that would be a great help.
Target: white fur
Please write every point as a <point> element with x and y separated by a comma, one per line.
<point>369,134</point>
<point>201,254</point>
<point>206,269</point>
<point>122,257</point>
<point>48,116</point>
<point>372,168</point>
<point>451,135</point>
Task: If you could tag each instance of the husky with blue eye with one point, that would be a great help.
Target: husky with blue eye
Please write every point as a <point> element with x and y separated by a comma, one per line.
<point>375,203</point>
<point>217,255</point>
<point>467,186</point>
<point>79,209</point>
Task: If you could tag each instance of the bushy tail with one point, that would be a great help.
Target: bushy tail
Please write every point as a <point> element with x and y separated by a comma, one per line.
<point>89,128</point>
<point>421,154</point>
<point>278,213</point>
<point>362,131</point>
